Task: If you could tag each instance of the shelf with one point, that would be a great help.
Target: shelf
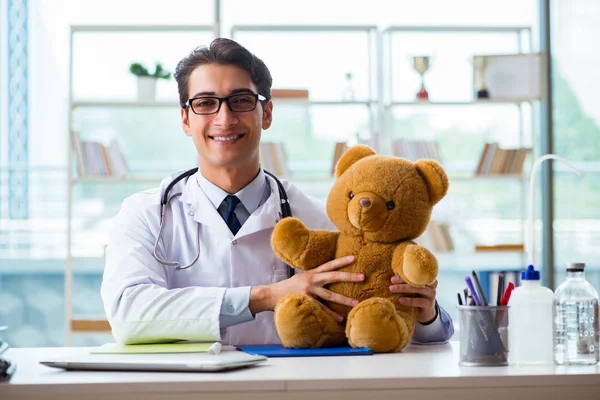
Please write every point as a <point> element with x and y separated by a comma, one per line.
<point>141,28</point>
<point>174,104</point>
<point>324,102</point>
<point>116,179</point>
<point>456,29</point>
<point>90,325</point>
<point>515,101</point>
<point>302,28</point>
<point>489,260</point>
<point>124,103</point>
<point>486,177</point>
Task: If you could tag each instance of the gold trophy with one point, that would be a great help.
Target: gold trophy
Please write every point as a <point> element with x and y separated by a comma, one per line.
<point>421,65</point>
<point>480,65</point>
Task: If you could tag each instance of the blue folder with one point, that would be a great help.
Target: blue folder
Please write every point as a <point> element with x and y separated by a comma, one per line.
<point>277,350</point>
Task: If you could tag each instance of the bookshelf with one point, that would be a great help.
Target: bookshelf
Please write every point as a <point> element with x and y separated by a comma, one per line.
<point>125,179</point>
<point>506,167</point>
<point>312,169</point>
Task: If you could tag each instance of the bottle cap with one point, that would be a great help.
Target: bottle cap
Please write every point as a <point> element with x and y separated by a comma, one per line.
<point>575,266</point>
<point>530,274</point>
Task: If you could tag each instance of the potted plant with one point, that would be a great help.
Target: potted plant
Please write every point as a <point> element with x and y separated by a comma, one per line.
<point>146,82</point>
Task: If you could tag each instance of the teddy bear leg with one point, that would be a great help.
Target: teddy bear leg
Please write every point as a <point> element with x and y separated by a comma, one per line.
<point>374,323</point>
<point>301,322</point>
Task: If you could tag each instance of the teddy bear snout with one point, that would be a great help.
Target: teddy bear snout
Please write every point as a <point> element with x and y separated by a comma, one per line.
<point>364,202</point>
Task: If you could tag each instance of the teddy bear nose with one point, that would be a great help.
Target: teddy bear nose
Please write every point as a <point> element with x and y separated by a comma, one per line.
<point>364,202</point>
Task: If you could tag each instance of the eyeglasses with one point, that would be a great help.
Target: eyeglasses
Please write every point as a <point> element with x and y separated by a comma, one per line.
<point>207,105</point>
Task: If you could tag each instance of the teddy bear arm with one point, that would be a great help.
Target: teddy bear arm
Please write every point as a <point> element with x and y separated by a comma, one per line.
<point>415,264</point>
<point>301,247</point>
<point>320,249</point>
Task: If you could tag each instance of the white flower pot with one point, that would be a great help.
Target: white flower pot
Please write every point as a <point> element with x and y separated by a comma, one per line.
<point>146,87</point>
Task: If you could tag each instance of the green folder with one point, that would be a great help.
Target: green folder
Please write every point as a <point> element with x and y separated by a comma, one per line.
<point>156,348</point>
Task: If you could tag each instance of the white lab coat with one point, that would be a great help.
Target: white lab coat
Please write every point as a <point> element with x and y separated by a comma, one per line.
<point>146,301</point>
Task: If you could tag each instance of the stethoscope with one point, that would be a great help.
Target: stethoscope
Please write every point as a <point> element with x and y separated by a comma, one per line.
<point>165,199</point>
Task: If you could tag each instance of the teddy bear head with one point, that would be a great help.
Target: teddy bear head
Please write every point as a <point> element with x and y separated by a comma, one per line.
<point>382,198</point>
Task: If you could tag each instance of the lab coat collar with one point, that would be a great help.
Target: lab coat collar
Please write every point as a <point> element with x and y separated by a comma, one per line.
<point>250,196</point>
<point>203,211</point>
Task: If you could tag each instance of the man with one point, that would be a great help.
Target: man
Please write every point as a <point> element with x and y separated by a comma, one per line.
<point>218,222</point>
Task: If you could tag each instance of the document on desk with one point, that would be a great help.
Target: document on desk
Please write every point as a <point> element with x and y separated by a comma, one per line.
<point>159,348</point>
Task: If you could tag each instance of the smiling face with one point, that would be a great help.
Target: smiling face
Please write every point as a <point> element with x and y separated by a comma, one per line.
<point>226,140</point>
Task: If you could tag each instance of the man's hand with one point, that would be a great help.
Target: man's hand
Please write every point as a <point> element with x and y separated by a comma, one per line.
<point>310,283</point>
<point>424,300</point>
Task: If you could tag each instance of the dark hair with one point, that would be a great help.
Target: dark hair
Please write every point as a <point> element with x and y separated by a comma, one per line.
<point>223,52</point>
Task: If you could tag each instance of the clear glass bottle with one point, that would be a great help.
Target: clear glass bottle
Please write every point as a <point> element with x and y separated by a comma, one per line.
<point>576,319</point>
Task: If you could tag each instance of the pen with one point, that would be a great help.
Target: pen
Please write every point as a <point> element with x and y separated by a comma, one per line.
<point>500,289</point>
<point>460,302</point>
<point>507,294</point>
<point>472,290</point>
<point>479,289</point>
<point>485,322</point>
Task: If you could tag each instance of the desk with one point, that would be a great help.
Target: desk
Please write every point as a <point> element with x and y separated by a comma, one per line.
<point>420,372</point>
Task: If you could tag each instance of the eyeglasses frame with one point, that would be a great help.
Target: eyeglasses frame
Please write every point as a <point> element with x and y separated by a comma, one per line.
<point>257,96</point>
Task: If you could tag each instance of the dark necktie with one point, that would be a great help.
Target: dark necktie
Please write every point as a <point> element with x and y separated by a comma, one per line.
<point>231,220</point>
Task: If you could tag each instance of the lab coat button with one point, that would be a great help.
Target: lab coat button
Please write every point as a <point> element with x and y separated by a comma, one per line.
<point>191,213</point>
<point>230,308</point>
<point>234,242</point>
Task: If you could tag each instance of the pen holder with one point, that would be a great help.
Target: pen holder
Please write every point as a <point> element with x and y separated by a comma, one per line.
<point>483,335</point>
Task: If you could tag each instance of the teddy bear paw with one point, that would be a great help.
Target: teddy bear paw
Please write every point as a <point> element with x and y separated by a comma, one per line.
<point>375,324</point>
<point>289,240</point>
<point>420,266</point>
<point>302,323</point>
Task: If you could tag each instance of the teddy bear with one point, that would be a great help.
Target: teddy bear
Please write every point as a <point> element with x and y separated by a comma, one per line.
<point>380,205</point>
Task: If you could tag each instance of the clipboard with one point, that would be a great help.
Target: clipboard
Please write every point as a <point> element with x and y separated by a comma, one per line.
<point>277,350</point>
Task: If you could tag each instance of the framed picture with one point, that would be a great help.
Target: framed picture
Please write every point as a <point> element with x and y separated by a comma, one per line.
<point>509,77</point>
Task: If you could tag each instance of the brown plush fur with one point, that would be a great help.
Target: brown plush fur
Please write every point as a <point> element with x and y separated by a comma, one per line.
<point>381,241</point>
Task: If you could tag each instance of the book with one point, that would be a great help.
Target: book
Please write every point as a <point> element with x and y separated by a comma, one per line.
<point>414,150</point>
<point>96,159</point>
<point>340,148</point>
<point>158,348</point>
<point>272,158</point>
<point>437,237</point>
<point>496,161</point>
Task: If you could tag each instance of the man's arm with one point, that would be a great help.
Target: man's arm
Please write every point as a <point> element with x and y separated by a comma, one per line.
<point>440,330</point>
<point>137,301</point>
<point>434,324</point>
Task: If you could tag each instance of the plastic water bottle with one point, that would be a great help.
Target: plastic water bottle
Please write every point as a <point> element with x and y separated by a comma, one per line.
<point>576,319</point>
<point>530,321</point>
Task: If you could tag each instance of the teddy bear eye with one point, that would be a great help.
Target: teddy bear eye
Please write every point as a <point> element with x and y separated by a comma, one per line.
<point>390,205</point>
<point>350,195</point>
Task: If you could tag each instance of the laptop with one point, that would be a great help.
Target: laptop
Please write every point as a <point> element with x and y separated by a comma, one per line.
<point>182,362</point>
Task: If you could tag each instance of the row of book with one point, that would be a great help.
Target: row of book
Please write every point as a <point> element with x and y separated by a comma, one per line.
<point>437,237</point>
<point>340,148</point>
<point>273,159</point>
<point>96,159</point>
<point>495,160</point>
<point>414,150</point>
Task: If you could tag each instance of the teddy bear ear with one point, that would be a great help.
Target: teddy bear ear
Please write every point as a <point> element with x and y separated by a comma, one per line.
<point>435,177</point>
<point>352,155</point>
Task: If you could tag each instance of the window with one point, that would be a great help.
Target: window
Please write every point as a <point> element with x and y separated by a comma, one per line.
<point>576,124</point>
<point>32,251</point>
